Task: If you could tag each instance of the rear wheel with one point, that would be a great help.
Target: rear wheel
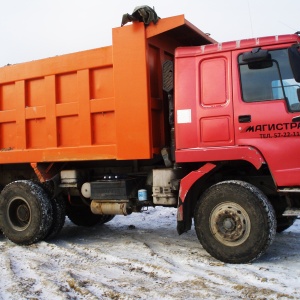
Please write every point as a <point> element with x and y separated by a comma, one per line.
<point>108,218</point>
<point>235,222</point>
<point>25,212</point>
<point>82,216</point>
<point>59,216</point>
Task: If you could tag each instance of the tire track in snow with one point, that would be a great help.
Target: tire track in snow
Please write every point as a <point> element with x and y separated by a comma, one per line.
<point>116,262</point>
<point>22,271</point>
<point>157,262</point>
<point>8,273</point>
<point>211,275</point>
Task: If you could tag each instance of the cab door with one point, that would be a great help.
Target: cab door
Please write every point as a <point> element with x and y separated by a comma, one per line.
<point>267,113</point>
<point>204,112</point>
<point>215,112</point>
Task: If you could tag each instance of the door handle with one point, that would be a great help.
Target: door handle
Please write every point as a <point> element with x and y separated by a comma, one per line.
<point>296,119</point>
<point>245,119</point>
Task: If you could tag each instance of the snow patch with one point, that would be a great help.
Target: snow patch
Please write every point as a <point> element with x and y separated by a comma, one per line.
<point>145,261</point>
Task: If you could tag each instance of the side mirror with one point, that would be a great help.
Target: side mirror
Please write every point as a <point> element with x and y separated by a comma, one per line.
<point>257,54</point>
<point>264,64</point>
<point>294,57</point>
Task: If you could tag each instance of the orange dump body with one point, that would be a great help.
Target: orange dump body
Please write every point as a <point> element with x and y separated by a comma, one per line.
<point>104,103</point>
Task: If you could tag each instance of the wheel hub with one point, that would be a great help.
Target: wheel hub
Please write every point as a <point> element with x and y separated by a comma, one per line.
<point>19,214</point>
<point>23,213</point>
<point>230,224</point>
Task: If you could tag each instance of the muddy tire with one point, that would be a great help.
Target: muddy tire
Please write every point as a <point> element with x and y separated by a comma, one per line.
<point>25,212</point>
<point>82,216</point>
<point>235,222</point>
<point>59,217</point>
<point>108,218</point>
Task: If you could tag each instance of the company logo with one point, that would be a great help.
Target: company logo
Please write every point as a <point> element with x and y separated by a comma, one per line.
<point>272,127</point>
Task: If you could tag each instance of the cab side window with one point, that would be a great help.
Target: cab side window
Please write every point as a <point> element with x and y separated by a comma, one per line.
<point>272,81</point>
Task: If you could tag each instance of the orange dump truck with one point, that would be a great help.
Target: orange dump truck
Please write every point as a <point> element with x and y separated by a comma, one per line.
<point>97,116</point>
<point>163,117</point>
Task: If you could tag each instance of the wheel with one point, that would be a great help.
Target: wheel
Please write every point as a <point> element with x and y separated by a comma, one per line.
<point>58,211</point>
<point>59,217</point>
<point>25,212</point>
<point>280,204</point>
<point>82,216</point>
<point>235,222</point>
<point>283,223</point>
<point>108,218</point>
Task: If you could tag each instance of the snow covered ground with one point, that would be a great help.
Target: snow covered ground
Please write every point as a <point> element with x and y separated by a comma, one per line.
<point>142,257</point>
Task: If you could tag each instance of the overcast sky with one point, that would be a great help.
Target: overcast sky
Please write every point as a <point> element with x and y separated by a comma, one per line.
<point>34,29</point>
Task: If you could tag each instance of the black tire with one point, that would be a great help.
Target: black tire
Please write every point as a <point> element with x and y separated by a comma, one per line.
<point>25,212</point>
<point>235,222</point>
<point>283,223</point>
<point>83,216</point>
<point>59,217</point>
<point>280,204</point>
<point>108,218</point>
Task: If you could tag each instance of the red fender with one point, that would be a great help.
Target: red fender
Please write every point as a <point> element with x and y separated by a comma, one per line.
<point>187,182</point>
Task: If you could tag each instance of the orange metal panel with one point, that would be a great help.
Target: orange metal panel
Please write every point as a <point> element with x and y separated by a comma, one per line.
<point>20,113</point>
<point>35,112</point>
<point>106,128</point>
<point>49,98</point>
<point>105,103</point>
<point>131,92</point>
<point>7,116</point>
<point>46,104</point>
<point>178,22</point>
<point>8,134</point>
<point>8,99</point>
<point>165,24</point>
<point>36,132</point>
<point>102,105</point>
<point>8,155</point>
<point>63,64</point>
<point>34,92</point>
<point>84,107</point>
<point>102,82</point>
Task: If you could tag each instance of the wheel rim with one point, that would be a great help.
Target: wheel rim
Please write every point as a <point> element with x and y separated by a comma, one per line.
<point>230,224</point>
<point>19,213</point>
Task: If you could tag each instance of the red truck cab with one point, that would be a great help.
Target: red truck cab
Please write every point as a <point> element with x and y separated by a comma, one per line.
<point>228,109</point>
<point>237,123</point>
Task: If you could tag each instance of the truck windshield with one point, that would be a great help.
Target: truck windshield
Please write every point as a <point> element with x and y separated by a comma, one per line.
<point>262,84</point>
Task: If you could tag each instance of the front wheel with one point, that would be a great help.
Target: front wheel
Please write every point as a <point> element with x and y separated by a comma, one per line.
<point>235,222</point>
